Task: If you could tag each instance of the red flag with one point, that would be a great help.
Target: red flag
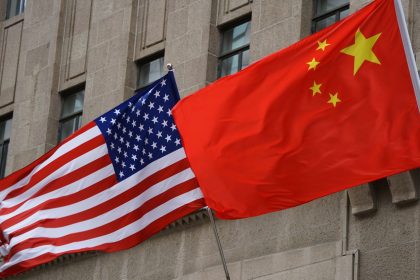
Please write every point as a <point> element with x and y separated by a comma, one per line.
<point>111,185</point>
<point>332,111</point>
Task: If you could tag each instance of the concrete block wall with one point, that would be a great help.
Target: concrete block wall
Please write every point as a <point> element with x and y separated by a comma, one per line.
<point>319,240</point>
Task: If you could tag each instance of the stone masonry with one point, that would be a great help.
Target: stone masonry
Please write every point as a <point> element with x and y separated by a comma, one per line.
<point>369,232</point>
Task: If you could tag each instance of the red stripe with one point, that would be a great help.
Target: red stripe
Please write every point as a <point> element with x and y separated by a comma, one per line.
<point>99,209</point>
<point>55,185</point>
<point>21,173</point>
<point>59,162</point>
<point>113,225</point>
<point>126,243</point>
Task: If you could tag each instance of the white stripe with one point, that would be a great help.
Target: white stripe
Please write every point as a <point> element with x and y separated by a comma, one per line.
<point>101,197</point>
<point>63,170</point>
<point>66,147</point>
<point>109,216</point>
<point>113,237</point>
<point>72,188</point>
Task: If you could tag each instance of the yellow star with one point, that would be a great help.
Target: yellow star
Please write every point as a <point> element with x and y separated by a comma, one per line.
<point>315,88</point>
<point>362,50</point>
<point>312,64</point>
<point>322,45</point>
<point>334,99</point>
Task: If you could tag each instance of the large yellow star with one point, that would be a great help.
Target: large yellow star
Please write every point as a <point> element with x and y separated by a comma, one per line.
<point>362,50</point>
<point>322,45</point>
<point>312,64</point>
<point>334,99</point>
<point>316,88</point>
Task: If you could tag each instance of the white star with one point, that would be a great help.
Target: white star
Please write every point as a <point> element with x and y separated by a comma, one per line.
<point>133,123</point>
<point>157,94</point>
<point>102,120</point>
<point>112,146</point>
<point>138,113</point>
<point>155,120</point>
<point>117,160</point>
<point>154,146</point>
<point>138,138</point>
<point>136,148</point>
<point>132,167</point>
<point>177,142</point>
<point>134,157</point>
<point>146,141</point>
<point>141,161</point>
<point>117,112</point>
<point>128,119</point>
<point>150,155</point>
<point>143,151</point>
<point>159,134</point>
<point>124,129</point>
<point>150,130</point>
<point>113,121</point>
<point>165,123</point>
<point>143,101</point>
<point>163,83</point>
<point>168,138</point>
<point>166,97</point>
<point>146,116</point>
<point>119,150</point>
<point>127,144</point>
<point>108,131</point>
<point>133,109</point>
<point>151,105</point>
<point>121,139</point>
<point>123,164</point>
<point>115,136</point>
<point>173,127</point>
<point>160,109</point>
<point>162,149</point>
<point>121,174</point>
<point>130,104</point>
<point>141,127</point>
<point>125,154</point>
<point>119,125</point>
<point>169,112</point>
<point>130,133</point>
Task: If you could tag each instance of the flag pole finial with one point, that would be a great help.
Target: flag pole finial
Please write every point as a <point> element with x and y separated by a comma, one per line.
<point>170,67</point>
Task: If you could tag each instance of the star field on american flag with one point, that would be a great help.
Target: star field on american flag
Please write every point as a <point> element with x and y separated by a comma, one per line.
<point>141,130</point>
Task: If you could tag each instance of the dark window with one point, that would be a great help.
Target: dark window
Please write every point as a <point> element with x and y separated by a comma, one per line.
<point>71,114</point>
<point>5,128</point>
<point>235,49</point>
<point>327,12</point>
<point>150,70</point>
<point>15,7</point>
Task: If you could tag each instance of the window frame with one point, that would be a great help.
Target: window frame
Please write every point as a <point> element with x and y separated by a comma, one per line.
<point>317,18</point>
<point>4,146</point>
<point>230,53</point>
<point>20,9</point>
<point>147,60</point>
<point>75,114</point>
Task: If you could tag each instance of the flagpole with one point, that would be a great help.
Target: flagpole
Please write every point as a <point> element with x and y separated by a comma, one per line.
<point>219,245</point>
<point>170,67</point>
<point>408,50</point>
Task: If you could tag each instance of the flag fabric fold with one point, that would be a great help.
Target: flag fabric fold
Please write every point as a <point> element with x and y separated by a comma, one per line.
<point>118,180</point>
<point>330,112</point>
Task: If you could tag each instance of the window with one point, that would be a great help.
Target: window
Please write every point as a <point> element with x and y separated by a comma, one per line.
<point>150,71</point>
<point>71,114</point>
<point>5,128</point>
<point>15,7</point>
<point>235,49</point>
<point>327,12</point>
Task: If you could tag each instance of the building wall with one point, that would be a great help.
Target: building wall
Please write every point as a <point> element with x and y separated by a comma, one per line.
<point>370,232</point>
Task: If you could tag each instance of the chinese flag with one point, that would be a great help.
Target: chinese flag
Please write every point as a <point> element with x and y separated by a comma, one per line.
<point>330,112</point>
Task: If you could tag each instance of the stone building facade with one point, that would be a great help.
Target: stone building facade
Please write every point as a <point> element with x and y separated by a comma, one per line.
<point>64,62</point>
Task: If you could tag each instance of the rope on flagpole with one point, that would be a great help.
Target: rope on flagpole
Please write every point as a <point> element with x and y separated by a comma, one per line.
<point>408,50</point>
<point>219,245</point>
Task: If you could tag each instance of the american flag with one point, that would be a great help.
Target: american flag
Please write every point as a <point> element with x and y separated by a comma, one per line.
<point>112,184</point>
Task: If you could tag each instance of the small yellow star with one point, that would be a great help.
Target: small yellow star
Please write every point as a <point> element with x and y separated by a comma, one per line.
<point>362,50</point>
<point>312,64</point>
<point>315,88</point>
<point>334,99</point>
<point>322,45</point>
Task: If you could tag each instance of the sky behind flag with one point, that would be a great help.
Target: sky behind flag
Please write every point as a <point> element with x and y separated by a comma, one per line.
<point>112,184</point>
<point>330,112</point>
